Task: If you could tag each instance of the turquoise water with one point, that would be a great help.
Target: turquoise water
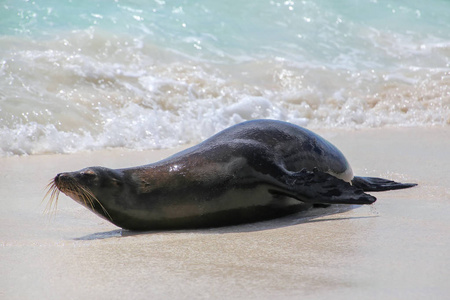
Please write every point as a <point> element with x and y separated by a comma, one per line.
<point>327,32</point>
<point>79,75</point>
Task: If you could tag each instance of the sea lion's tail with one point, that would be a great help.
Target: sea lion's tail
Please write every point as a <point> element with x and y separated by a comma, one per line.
<point>374,184</point>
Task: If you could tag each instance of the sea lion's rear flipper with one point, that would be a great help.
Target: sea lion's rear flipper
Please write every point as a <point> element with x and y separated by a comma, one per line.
<point>374,184</point>
<point>321,188</point>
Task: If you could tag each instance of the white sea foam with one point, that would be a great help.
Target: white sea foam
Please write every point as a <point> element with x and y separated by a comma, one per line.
<point>157,84</point>
<point>63,100</point>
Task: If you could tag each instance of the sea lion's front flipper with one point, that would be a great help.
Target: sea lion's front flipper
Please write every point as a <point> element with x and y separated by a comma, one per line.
<point>318,187</point>
<point>375,184</point>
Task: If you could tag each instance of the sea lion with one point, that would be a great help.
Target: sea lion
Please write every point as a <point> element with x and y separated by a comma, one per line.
<point>244,173</point>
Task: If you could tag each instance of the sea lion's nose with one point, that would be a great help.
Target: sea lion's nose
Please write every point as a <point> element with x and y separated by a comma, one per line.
<point>61,177</point>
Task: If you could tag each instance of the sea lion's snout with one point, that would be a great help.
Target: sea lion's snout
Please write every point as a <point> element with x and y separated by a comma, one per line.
<point>81,186</point>
<point>76,184</point>
<point>61,178</point>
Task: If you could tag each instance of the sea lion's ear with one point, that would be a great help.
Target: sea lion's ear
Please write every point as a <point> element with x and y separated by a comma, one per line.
<point>116,182</point>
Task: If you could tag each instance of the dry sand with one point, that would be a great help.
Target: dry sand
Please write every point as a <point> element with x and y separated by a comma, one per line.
<point>398,248</point>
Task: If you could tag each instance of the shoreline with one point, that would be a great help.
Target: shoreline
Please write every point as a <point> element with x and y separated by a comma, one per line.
<point>395,248</point>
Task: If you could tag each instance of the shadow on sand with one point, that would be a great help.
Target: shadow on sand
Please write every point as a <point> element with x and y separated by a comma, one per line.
<point>299,217</point>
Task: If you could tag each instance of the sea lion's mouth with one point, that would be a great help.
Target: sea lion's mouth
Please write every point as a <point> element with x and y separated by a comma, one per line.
<point>72,188</point>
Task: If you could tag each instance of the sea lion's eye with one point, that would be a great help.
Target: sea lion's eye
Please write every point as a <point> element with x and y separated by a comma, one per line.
<point>89,174</point>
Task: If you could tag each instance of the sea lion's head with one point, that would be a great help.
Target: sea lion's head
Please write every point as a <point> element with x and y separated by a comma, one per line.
<point>89,187</point>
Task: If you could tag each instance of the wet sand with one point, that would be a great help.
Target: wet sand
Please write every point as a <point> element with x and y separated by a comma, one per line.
<point>398,248</point>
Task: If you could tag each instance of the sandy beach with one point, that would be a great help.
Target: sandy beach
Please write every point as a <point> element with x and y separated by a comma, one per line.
<point>398,248</point>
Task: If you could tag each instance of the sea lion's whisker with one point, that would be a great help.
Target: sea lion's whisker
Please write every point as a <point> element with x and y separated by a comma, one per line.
<point>89,198</point>
<point>53,195</point>
<point>86,196</point>
<point>103,208</point>
<point>50,187</point>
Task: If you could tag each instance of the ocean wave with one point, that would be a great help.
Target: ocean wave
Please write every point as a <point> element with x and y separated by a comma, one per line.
<point>144,97</point>
<point>162,76</point>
